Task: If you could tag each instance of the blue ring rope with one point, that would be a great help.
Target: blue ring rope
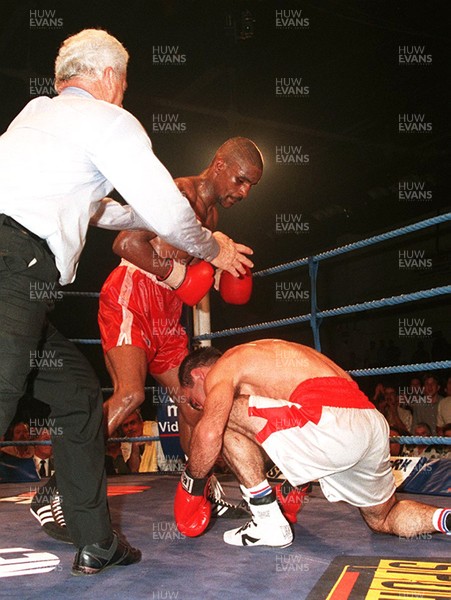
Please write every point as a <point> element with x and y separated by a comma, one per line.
<point>414,440</point>
<point>432,440</point>
<point>369,305</point>
<point>83,294</point>
<point>413,368</point>
<point>143,438</point>
<point>375,239</point>
<point>332,312</point>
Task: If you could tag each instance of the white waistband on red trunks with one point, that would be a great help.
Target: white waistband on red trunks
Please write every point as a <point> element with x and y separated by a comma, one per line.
<point>154,278</point>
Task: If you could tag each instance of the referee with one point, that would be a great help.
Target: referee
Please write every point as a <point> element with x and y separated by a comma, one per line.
<point>59,159</point>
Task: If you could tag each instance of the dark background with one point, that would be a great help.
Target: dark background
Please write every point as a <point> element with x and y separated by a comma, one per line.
<point>348,125</point>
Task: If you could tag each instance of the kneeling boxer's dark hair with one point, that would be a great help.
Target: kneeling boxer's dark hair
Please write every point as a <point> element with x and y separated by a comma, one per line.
<point>202,357</point>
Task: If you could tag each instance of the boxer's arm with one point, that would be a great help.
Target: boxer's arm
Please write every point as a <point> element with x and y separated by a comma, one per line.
<point>190,283</point>
<point>192,509</point>
<point>186,426</point>
<point>156,257</point>
<point>207,437</point>
<point>135,247</point>
<point>135,458</point>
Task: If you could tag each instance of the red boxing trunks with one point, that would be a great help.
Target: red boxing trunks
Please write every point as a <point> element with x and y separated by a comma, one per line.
<point>135,309</point>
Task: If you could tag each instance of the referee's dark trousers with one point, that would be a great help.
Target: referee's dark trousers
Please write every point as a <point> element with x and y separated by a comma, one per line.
<point>61,376</point>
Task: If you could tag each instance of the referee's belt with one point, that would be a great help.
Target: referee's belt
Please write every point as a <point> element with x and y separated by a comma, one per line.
<point>10,222</point>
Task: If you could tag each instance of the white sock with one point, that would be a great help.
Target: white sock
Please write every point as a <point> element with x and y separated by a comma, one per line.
<point>441,520</point>
<point>260,491</point>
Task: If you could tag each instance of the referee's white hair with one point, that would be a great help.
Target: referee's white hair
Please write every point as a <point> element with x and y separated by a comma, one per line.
<point>87,54</point>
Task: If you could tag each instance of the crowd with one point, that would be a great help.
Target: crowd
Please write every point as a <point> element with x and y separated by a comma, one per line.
<point>33,461</point>
<point>420,408</point>
<point>29,461</point>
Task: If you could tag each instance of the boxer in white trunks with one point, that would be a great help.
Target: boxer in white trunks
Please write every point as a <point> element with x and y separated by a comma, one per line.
<point>314,423</point>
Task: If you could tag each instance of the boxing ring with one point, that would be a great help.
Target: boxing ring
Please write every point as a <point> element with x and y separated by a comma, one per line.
<point>334,555</point>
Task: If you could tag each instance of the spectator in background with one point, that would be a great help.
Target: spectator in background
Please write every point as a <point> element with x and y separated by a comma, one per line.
<point>444,409</point>
<point>426,408</point>
<point>411,393</point>
<point>396,449</point>
<point>16,462</point>
<point>378,397</point>
<point>429,451</point>
<point>396,415</point>
<point>114,460</point>
<point>416,385</point>
<point>19,432</point>
<point>43,455</point>
<point>141,457</point>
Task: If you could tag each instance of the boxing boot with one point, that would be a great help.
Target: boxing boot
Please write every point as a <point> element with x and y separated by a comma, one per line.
<point>268,527</point>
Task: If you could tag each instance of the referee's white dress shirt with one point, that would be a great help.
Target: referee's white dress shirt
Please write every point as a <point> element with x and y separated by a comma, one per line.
<point>59,159</point>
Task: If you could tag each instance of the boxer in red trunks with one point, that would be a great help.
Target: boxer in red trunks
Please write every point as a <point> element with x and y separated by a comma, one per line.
<point>139,312</point>
<point>312,421</point>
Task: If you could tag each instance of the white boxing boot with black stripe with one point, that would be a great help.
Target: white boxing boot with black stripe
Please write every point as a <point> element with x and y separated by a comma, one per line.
<point>268,526</point>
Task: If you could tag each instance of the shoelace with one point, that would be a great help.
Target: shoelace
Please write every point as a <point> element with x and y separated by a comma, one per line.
<point>220,502</point>
<point>246,525</point>
<point>57,511</point>
<point>216,491</point>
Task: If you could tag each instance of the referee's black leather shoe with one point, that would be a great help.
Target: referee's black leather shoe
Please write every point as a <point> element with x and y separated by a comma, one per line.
<point>94,558</point>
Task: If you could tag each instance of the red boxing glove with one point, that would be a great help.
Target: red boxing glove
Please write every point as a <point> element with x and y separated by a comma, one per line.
<point>291,499</point>
<point>192,510</point>
<point>236,290</point>
<point>190,283</point>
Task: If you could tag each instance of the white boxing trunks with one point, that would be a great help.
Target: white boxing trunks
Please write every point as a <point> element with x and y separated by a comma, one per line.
<point>330,432</point>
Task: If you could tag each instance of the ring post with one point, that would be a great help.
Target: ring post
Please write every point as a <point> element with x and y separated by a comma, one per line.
<point>201,318</point>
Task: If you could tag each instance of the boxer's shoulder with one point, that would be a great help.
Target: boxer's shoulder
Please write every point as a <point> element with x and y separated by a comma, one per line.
<point>207,215</point>
<point>187,187</point>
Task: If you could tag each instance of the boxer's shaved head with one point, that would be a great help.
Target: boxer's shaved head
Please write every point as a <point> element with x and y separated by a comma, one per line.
<point>235,168</point>
<point>239,150</point>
